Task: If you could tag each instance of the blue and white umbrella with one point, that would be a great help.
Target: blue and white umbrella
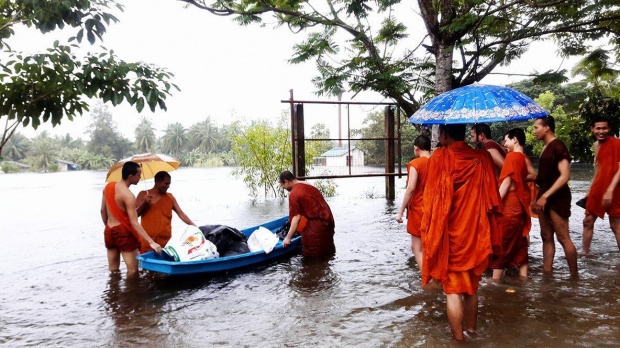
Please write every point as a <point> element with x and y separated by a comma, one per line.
<point>476,104</point>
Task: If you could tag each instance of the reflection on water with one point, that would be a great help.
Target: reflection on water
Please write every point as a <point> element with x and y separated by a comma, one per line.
<point>57,290</point>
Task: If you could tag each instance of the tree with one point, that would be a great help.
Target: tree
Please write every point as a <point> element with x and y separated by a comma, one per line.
<point>318,132</point>
<point>465,39</point>
<point>145,136</point>
<point>16,147</point>
<point>44,152</point>
<point>262,152</point>
<point>374,127</point>
<point>203,136</point>
<point>175,139</point>
<point>104,138</point>
<point>50,86</point>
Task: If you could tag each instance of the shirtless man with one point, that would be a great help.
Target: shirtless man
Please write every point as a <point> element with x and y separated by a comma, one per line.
<point>122,231</point>
<point>481,135</point>
<point>604,195</point>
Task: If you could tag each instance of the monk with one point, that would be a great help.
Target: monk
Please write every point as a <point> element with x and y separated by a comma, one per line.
<point>481,135</point>
<point>604,195</point>
<point>516,222</point>
<point>459,227</point>
<point>122,231</point>
<point>554,197</point>
<point>309,215</point>
<point>414,195</point>
<point>155,207</point>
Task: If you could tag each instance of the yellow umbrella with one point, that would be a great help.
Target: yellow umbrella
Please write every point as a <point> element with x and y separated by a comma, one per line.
<point>151,163</point>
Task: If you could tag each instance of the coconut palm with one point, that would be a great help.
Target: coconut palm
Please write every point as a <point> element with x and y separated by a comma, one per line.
<point>598,72</point>
<point>16,147</point>
<point>175,139</point>
<point>203,136</point>
<point>145,136</point>
<point>43,153</point>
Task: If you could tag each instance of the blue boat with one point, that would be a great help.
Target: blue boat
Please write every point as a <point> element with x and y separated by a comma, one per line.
<point>151,261</point>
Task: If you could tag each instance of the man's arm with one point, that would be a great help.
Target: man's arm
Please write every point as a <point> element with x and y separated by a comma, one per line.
<point>180,213</point>
<point>531,171</point>
<point>411,185</point>
<point>498,160</point>
<point>503,188</point>
<point>143,202</point>
<point>294,223</point>
<point>564,169</point>
<point>104,211</point>
<point>130,205</point>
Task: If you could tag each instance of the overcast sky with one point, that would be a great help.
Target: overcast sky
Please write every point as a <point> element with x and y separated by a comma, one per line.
<point>224,70</point>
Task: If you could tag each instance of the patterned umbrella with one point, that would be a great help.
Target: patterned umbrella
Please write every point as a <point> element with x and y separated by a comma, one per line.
<point>476,104</point>
<point>151,164</point>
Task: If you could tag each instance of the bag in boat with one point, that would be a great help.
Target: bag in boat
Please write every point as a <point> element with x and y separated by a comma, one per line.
<point>222,236</point>
<point>236,248</point>
<point>283,231</point>
<point>190,246</point>
<point>262,239</point>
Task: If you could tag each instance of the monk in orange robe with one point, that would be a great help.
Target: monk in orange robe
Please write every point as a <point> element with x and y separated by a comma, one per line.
<point>414,196</point>
<point>604,195</point>
<point>459,228</point>
<point>515,224</point>
<point>122,231</point>
<point>481,135</point>
<point>155,208</point>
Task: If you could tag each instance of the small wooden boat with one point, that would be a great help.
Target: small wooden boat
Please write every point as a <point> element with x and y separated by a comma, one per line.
<point>151,261</point>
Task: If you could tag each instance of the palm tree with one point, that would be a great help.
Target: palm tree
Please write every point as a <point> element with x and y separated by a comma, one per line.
<point>43,153</point>
<point>598,72</point>
<point>203,136</point>
<point>16,147</point>
<point>145,136</point>
<point>175,139</point>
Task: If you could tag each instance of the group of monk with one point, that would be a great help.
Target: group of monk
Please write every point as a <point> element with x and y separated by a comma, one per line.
<point>123,234</point>
<point>469,210</point>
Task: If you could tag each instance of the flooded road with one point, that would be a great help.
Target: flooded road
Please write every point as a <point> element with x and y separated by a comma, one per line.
<point>56,289</point>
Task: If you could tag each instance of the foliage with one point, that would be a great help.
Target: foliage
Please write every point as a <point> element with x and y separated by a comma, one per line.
<point>175,139</point>
<point>43,154</point>
<point>53,85</point>
<point>105,140</point>
<point>374,127</point>
<point>564,124</point>
<point>367,45</point>
<point>319,132</point>
<point>16,147</point>
<point>203,136</point>
<point>262,151</point>
<point>9,167</point>
<point>327,187</point>
<point>145,136</point>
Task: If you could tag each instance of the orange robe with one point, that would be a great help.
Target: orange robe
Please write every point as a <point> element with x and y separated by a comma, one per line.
<point>317,238</point>
<point>515,224</point>
<point>414,207</point>
<point>459,228</point>
<point>125,238</point>
<point>157,222</point>
<point>607,160</point>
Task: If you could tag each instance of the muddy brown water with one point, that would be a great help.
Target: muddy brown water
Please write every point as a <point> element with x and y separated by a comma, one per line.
<point>56,291</point>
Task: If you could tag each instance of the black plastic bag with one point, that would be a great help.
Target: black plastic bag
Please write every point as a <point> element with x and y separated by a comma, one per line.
<point>582,202</point>
<point>236,248</point>
<point>283,231</point>
<point>222,236</point>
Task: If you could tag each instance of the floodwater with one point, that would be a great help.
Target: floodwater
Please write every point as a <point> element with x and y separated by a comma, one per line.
<point>56,289</point>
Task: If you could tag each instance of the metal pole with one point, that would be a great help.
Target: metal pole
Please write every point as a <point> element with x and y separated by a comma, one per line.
<point>390,191</point>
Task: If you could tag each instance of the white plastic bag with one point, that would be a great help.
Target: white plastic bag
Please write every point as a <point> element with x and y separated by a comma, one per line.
<point>190,246</point>
<point>262,239</point>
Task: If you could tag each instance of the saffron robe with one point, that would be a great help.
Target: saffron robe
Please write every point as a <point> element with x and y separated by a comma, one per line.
<point>459,227</point>
<point>110,199</point>
<point>607,160</point>
<point>493,145</point>
<point>317,238</point>
<point>414,206</point>
<point>157,222</point>
<point>548,173</point>
<point>515,224</point>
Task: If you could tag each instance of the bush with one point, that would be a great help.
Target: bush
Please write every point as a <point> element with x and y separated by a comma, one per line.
<point>9,167</point>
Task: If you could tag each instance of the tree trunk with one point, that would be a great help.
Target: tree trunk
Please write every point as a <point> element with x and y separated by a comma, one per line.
<point>443,78</point>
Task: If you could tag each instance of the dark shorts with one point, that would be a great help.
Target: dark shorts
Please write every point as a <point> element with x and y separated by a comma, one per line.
<point>119,237</point>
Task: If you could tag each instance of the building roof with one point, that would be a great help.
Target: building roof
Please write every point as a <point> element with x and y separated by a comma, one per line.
<point>337,151</point>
